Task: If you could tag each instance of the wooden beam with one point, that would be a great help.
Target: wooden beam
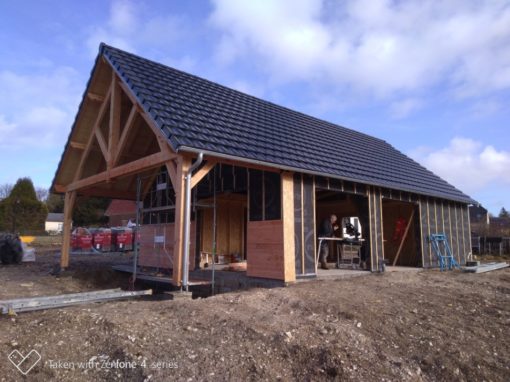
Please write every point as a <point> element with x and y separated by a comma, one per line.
<point>171,168</point>
<point>77,145</point>
<point>404,237</point>
<point>202,172</point>
<point>130,168</point>
<point>289,249</point>
<point>162,140</point>
<point>95,97</point>
<point>133,99</point>
<point>102,110</point>
<point>114,127</point>
<point>183,165</point>
<point>102,144</point>
<point>123,138</point>
<point>108,193</point>
<point>59,188</point>
<point>69,199</point>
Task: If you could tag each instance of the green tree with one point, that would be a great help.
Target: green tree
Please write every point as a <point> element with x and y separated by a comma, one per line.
<point>21,211</point>
<point>89,211</point>
<point>55,203</point>
<point>504,213</point>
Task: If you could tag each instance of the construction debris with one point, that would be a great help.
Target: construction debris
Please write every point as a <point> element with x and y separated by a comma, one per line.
<point>12,307</point>
<point>11,251</point>
<point>487,267</point>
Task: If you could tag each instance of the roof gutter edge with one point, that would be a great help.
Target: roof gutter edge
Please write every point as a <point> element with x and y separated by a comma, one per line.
<point>300,170</point>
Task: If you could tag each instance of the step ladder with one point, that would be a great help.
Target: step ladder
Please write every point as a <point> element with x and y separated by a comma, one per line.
<point>442,250</point>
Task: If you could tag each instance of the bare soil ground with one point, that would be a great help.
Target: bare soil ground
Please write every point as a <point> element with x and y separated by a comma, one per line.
<point>400,326</point>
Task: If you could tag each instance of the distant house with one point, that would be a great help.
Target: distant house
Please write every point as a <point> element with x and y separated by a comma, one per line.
<point>120,212</point>
<point>478,214</point>
<point>54,223</point>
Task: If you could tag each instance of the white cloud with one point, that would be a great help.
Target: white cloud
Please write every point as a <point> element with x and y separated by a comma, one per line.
<point>377,46</point>
<point>468,164</point>
<point>37,109</point>
<point>129,28</point>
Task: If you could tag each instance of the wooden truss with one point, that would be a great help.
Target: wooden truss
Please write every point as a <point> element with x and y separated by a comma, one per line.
<point>112,146</point>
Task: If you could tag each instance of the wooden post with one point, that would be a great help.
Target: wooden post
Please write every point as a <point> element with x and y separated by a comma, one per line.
<point>289,247</point>
<point>183,165</point>
<point>69,200</point>
<point>114,128</point>
<point>404,237</point>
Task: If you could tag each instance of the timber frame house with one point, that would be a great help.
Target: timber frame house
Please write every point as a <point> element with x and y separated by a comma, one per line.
<point>285,171</point>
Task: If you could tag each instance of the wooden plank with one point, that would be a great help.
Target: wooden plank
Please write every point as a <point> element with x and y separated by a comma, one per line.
<point>456,230</point>
<point>289,248</point>
<point>130,168</point>
<point>102,110</point>
<point>114,126</point>
<point>428,233</point>
<point>463,233</point>
<point>77,145</point>
<point>381,223</point>
<point>309,217</point>
<point>455,253</point>
<point>171,169</point>
<point>265,249</point>
<point>420,211</point>
<point>69,200</point>
<point>370,226</point>
<point>404,237</point>
<point>125,132</point>
<point>202,172</point>
<point>152,125</point>
<point>102,144</point>
<point>95,97</point>
<point>302,225</point>
<point>314,217</point>
<point>59,188</point>
<point>298,224</point>
<point>108,193</point>
<point>183,165</point>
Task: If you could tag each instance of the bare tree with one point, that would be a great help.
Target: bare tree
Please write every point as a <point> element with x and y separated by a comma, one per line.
<point>42,193</point>
<point>5,190</point>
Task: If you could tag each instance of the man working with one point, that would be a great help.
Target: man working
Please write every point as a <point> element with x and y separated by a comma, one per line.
<point>326,229</point>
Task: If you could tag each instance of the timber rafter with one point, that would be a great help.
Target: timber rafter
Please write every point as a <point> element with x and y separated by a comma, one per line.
<point>113,146</point>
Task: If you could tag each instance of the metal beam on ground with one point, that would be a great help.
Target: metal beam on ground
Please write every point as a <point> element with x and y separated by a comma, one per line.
<point>47,302</point>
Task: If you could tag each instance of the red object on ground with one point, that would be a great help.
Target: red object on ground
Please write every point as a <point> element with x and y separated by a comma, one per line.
<point>102,239</point>
<point>81,239</point>
<point>122,239</point>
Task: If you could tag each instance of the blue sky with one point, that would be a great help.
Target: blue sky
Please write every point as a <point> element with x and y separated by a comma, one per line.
<point>431,78</point>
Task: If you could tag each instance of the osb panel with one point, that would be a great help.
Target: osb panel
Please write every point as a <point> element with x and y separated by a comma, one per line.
<point>159,255</point>
<point>265,249</point>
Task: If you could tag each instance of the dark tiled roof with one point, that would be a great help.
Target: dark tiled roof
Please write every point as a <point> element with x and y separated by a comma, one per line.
<point>55,217</point>
<point>199,114</point>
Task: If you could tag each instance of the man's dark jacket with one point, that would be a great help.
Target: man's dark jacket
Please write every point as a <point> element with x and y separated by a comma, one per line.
<point>326,229</point>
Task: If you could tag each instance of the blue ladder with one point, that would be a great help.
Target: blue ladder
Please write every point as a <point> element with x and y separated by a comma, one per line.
<point>443,252</point>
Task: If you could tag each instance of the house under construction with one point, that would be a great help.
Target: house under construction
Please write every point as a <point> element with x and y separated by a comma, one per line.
<point>216,171</point>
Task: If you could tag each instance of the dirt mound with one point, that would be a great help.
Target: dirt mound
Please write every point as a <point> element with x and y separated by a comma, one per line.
<point>427,326</point>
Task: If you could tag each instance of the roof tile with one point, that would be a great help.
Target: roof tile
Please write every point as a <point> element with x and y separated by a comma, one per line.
<point>203,115</point>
